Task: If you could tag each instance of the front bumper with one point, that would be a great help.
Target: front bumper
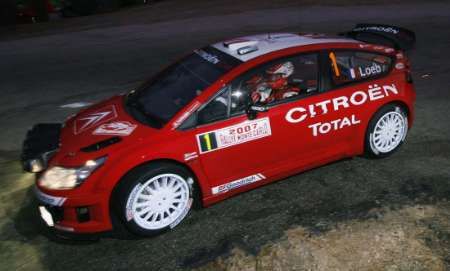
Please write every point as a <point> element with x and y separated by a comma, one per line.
<point>70,211</point>
<point>86,213</point>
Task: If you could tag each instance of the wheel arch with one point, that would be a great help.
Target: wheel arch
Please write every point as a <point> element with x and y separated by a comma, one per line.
<point>160,161</point>
<point>363,130</point>
<point>119,228</point>
<point>403,105</point>
<point>400,103</point>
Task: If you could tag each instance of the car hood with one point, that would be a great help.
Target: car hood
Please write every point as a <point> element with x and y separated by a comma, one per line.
<point>99,130</point>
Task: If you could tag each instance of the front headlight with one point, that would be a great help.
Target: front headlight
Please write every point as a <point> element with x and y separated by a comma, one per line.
<point>61,178</point>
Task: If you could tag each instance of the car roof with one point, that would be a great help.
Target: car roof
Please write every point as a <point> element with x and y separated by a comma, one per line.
<point>249,47</point>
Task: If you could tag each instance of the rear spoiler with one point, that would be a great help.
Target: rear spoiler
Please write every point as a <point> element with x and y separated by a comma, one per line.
<point>387,35</point>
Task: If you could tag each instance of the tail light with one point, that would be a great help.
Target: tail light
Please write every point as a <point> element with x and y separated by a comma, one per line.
<point>403,63</point>
<point>408,74</point>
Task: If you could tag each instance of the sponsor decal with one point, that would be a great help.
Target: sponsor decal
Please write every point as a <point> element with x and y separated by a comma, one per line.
<point>377,28</point>
<point>190,155</point>
<point>182,215</point>
<point>185,115</point>
<point>357,98</point>
<point>207,56</point>
<point>370,70</point>
<point>237,183</point>
<point>118,128</point>
<point>208,142</point>
<point>389,50</point>
<point>326,127</point>
<point>47,199</point>
<point>92,119</point>
<point>129,210</point>
<point>234,135</point>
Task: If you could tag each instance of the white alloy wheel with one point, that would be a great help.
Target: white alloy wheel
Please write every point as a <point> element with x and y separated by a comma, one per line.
<point>159,202</point>
<point>389,131</point>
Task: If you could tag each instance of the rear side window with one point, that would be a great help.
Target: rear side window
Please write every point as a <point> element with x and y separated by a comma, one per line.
<point>350,66</point>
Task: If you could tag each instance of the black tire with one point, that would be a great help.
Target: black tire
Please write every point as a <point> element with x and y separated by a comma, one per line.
<point>134,181</point>
<point>371,149</point>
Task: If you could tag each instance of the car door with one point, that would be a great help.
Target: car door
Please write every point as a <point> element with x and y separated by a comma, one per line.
<point>351,84</point>
<point>235,151</point>
<point>330,119</point>
<point>232,149</point>
<point>312,122</point>
<point>314,127</point>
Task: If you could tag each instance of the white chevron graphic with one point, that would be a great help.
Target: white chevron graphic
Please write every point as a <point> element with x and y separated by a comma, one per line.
<point>93,118</point>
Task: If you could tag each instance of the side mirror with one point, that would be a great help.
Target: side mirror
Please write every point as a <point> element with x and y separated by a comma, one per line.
<point>252,110</point>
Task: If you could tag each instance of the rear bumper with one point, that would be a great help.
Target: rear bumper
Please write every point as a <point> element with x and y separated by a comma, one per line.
<point>86,213</point>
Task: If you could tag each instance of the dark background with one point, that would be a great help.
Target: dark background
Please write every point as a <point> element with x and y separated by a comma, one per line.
<point>44,66</point>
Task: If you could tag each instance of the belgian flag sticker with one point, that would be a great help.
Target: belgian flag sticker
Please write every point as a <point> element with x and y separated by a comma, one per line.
<point>207,142</point>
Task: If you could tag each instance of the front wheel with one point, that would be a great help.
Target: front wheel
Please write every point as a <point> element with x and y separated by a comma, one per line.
<point>386,131</point>
<point>154,198</point>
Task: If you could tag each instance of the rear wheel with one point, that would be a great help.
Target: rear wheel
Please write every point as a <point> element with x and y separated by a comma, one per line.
<point>154,198</point>
<point>386,131</point>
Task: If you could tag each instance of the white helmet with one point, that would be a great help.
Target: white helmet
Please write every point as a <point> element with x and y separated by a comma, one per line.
<point>284,69</point>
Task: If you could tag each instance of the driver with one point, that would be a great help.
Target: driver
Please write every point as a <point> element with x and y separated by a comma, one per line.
<point>275,86</point>
<point>279,81</point>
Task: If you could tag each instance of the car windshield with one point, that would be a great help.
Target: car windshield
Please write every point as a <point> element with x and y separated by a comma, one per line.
<point>159,99</point>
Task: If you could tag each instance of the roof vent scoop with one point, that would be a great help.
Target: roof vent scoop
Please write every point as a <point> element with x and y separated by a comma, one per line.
<point>247,49</point>
<point>237,44</point>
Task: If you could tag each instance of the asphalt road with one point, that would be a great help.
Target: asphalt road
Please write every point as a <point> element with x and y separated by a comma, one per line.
<point>40,74</point>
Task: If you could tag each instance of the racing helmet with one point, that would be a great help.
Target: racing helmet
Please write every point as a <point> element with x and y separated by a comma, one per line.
<point>278,75</point>
<point>283,70</point>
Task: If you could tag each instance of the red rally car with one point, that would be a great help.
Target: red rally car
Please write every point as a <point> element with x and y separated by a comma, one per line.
<point>224,119</point>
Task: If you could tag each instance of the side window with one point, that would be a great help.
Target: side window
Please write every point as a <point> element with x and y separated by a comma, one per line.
<point>216,109</point>
<point>278,80</point>
<point>271,82</point>
<point>349,66</point>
